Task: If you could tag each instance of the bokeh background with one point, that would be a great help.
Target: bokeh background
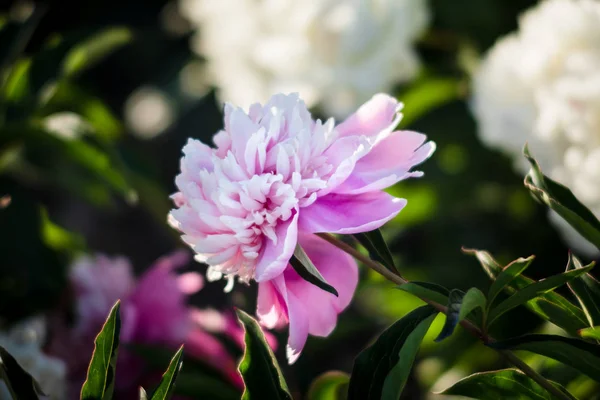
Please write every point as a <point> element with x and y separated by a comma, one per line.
<point>157,93</point>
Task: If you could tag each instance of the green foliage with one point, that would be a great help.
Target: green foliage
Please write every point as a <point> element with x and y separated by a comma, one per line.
<point>550,306</point>
<point>560,199</point>
<point>593,332</point>
<point>378,250</point>
<point>535,290</point>
<point>454,305</point>
<point>260,371</point>
<point>381,370</point>
<point>426,290</point>
<point>507,276</point>
<point>167,382</point>
<point>100,381</point>
<point>19,383</point>
<point>500,385</point>
<point>587,291</point>
<point>307,270</point>
<point>581,355</point>
<point>472,300</point>
<point>332,385</point>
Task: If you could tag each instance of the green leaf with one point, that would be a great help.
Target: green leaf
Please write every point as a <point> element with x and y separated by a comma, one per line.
<point>167,382</point>
<point>259,368</point>
<point>593,332</point>
<point>454,304</point>
<point>551,306</point>
<point>332,385</point>
<point>66,97</point>
<point>426,290</point>
<point>472,300</point>
<point>534,290</point>
<point>587,291</point>
<point>581,355</point>
<point>378,250</point>
<point>56,157</point>
<point>20,384</point>
<point>426,94</point>
<point>508,274</point>
<point>100,381</point>
<point>307,270</point>
<point>560,199</point>
<point>506,384</point>
<point>143,394</point>
<point>14,37</point>
<point>381,370</point>
<point>94,49</point>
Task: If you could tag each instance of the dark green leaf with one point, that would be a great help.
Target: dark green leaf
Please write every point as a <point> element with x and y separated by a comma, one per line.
<point>378,250</point>
<point>506,384</point>
<point>94,49</point>
<point>508,274</point>
<point>472,300</point>
<point>534,290</point>
<point>15,35</point>
<point>20,384</point>
<point>307,270</point>
<point>202,386</point>
<point>587,290</point>
<point>332,385</point>
<point>100,381</point>
<point>76,163</point>
<point>581,355</point>
<point>426,94</point>
<point>167,382</point>
<point>454,304</point>
<point>259,368</point>
<point>593,332</point>
<point>383,368</point>
<point>560,199</point>
<point>426,290</point>
<point>551,306</point>
<point>66,97</point>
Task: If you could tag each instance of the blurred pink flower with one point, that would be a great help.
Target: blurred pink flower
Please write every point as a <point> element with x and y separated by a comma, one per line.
<point>277,176</point>
<point>154,311</point>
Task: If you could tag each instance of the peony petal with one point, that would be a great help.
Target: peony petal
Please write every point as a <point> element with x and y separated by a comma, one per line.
<point>388,162</point>
<point>371,118</point>
<point>298,318</point>
<point>276,255</point>
<point>340,213</point>
<point>343,155</point>
<point>270,309</point>
<point>339,269</point>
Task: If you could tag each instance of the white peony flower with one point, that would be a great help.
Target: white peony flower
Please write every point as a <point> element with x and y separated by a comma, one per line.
<point>24,341</point>
<point>333,52</point>
<point>541,85</point>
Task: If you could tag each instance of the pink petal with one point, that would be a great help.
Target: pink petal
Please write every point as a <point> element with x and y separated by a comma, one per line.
<point>339,270</point>
<point>341,213</point>
<point>190,282</point>
<point>372,117</point>
<point>388,162</point>
<point>275,256</point>
<point>298,318</point>
<point>308,308</point>
<point>271,309</point>
<point>343,155</point>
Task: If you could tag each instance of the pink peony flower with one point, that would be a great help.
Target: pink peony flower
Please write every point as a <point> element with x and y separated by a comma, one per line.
<point>275,177</point>
<point>153,312</point>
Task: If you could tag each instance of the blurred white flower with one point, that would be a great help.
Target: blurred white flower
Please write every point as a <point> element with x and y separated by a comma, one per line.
<point>148,112</point>
<point>334,52</point>
<point>24,342</point>
<point>541,85</point>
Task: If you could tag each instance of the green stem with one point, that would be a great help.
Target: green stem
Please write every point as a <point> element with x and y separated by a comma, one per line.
<point>469,326</point>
